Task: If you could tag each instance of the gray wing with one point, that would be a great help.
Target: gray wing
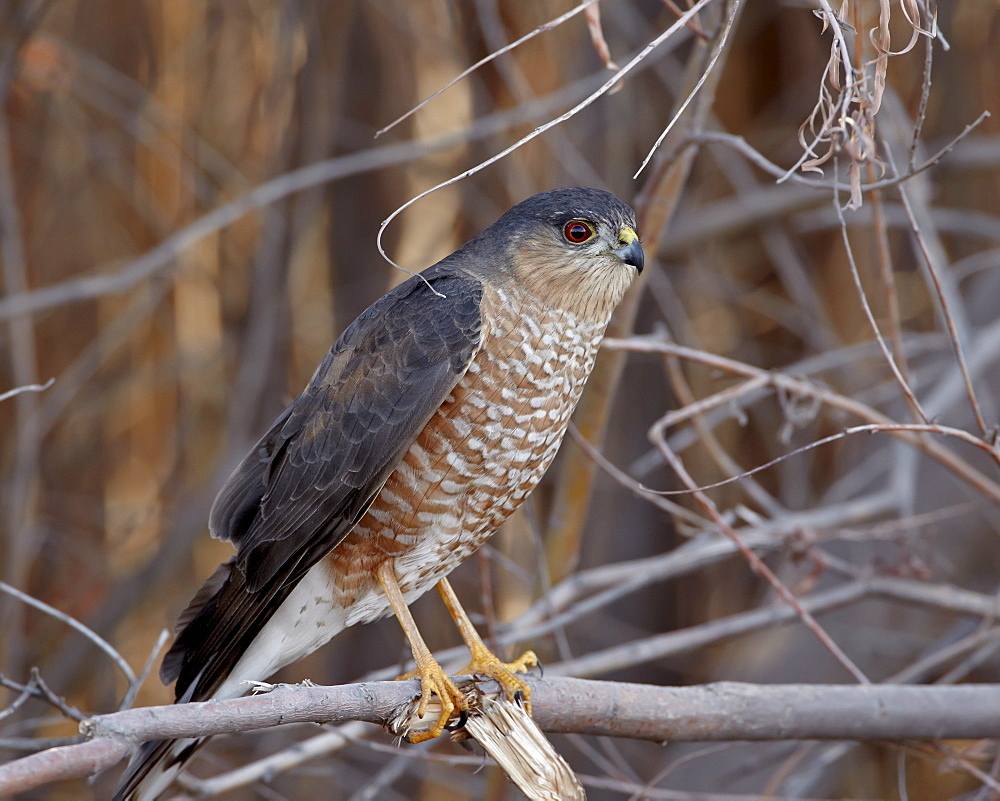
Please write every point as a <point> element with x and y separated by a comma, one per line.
<point>328,456</point>
<point>315,473</point>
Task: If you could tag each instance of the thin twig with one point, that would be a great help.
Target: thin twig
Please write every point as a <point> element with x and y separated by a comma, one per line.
<point>990,447</point>
<point>870,316</point>
<point>46,692</point>
<point>147,668</point>
<point>163,255</point>
<point>632,485</point>
<point>73,623</point>
<point>10,393</point>
<point>593,16</point>
<point>756,157</point>
<point>759,377</point>
<point>544,27</point>
<point>692,638</point>
<point>753,560</point>
<point>604,89</point>
<point>26,691</point>
<point>925,96</point>
<point>942,298</point>
<point>713,60</point>
<point>890,290</point>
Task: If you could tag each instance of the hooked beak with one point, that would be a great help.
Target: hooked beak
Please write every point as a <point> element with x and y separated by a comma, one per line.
<point>630,251</point>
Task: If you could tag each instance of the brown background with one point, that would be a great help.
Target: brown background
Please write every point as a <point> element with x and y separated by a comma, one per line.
<point>126,122</point>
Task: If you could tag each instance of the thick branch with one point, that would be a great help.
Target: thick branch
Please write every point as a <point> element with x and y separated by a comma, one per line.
<point>724,711</point>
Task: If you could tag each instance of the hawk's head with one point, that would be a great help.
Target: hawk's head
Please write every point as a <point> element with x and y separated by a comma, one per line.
<point>573,248</point>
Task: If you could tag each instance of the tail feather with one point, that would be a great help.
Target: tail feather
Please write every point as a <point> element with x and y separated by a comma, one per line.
<point>218,628</point>
<point>214,632</point>
<point>230,635</point>
<point>153,767</point>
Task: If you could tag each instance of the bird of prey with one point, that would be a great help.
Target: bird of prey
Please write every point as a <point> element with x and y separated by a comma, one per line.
<point>425,426</point>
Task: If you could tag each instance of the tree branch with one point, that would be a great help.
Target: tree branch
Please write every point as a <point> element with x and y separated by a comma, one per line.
<point>723,711</point>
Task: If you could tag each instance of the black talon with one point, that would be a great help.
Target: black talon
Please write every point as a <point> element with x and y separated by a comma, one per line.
<point>519,697</point>
<point>541,669</point>
<point>463,718</point>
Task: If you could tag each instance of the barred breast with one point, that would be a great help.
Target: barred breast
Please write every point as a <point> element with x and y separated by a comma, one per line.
<point>474,463</point>
<point>477,459</point>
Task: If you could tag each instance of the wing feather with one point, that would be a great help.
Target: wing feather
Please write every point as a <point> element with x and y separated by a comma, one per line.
<point>312,476</point>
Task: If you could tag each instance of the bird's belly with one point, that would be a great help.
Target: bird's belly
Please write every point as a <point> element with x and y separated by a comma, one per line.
<point>472,466</point>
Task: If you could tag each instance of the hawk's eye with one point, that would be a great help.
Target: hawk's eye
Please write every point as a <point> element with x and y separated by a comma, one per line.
<point>578,231</point>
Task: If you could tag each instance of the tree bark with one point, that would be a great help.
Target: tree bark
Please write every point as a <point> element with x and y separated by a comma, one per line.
<point>722,711</point>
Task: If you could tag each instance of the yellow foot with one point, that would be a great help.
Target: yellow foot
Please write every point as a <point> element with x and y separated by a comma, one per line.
<point>484,663</point>
<point>434,681</point>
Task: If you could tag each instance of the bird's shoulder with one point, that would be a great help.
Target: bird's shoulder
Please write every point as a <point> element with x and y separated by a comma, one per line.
<point>432,315</point>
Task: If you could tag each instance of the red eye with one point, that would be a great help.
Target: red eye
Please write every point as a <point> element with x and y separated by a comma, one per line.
<point>577,232</point>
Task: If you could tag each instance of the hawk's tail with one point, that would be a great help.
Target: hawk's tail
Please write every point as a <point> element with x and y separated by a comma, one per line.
<point>208,643</point>
<point>153,767</point>
<point>216,650</point>
<point>156,763</point>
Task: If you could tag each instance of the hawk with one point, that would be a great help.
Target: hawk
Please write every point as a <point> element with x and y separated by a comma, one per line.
<point>425,426</point>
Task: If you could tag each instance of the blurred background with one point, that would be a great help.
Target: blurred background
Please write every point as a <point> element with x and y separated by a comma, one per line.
<point>189,198</point>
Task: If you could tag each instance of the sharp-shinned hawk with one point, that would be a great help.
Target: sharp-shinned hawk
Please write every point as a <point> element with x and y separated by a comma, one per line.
<point>426,425</point>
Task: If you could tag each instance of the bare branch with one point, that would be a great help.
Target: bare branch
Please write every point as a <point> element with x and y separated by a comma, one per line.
<point>723,711</point>
<point>147,668</point>
<point>756,157</point>
<point>720,47</point>
<point>934,271</point>
<point>72,622</point>
<point>10,393</point>
<point>593,15</point>
<point>869,315</point>
<point>587,5</point>
<point>162,256</point>
<point>960,467</point>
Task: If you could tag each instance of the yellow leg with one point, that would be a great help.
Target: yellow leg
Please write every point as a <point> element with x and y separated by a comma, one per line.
<point>433,679</point>
<point>483,660</point>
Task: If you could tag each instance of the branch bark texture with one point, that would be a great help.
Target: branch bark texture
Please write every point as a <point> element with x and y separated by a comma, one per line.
<point>723,711</point>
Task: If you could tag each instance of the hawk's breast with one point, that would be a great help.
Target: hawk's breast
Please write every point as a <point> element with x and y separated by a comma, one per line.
<point>479,456</point>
